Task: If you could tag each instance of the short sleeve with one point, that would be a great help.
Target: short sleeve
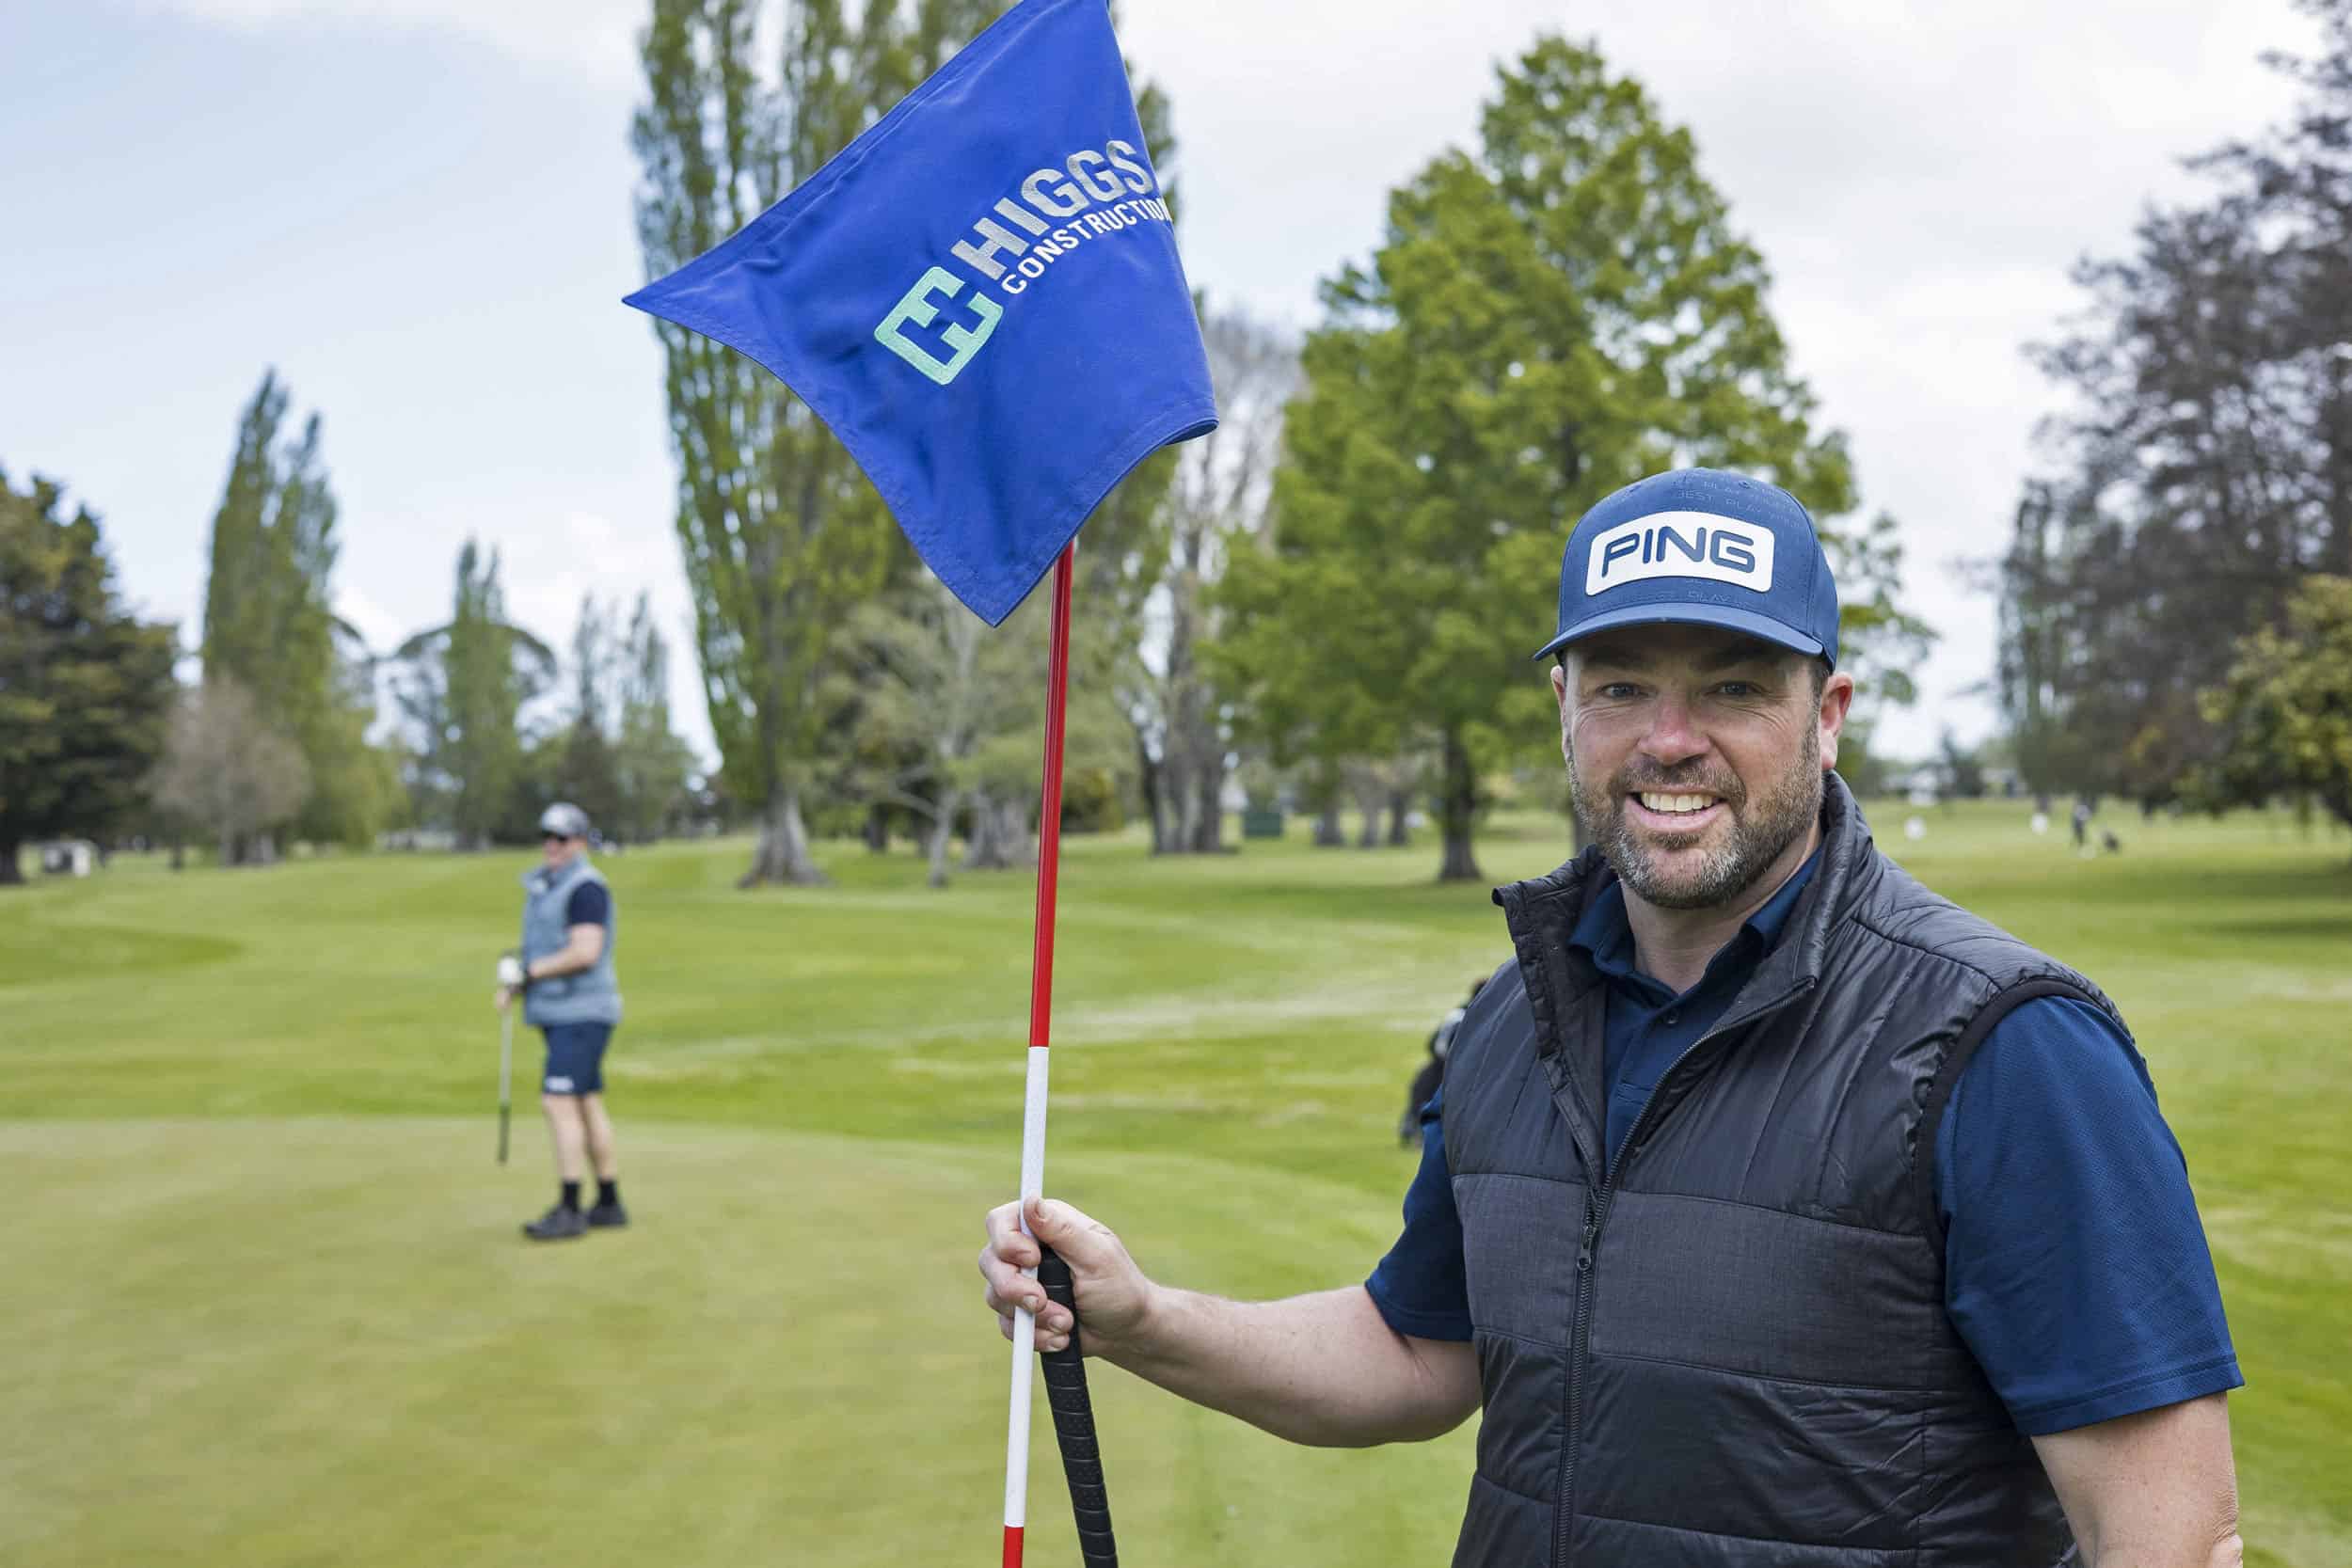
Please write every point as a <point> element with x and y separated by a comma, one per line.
<point>2077,1267</point>
<point>1419,1287</point>
<point>589,904</point>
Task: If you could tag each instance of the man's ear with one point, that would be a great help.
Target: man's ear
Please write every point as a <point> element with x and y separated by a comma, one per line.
<point>1836,699</point>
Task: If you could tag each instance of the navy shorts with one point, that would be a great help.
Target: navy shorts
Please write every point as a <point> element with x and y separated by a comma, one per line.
<point>575,1058</point>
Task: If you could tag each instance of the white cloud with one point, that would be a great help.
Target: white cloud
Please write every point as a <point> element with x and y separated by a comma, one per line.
<point>593,39</point>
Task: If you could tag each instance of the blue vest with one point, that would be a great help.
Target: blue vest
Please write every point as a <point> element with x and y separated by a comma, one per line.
<point>592,996</point>
<point>1730,1350</point>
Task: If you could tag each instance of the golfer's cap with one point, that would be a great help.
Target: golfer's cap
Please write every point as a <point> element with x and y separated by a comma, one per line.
<point>1702,548</point>
<point>564,819</point>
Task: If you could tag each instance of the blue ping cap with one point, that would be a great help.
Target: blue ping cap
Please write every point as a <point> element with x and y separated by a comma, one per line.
<point>1701,547</point>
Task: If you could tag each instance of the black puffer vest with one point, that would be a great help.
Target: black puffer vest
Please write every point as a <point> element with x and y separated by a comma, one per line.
<point>1734,1350</point>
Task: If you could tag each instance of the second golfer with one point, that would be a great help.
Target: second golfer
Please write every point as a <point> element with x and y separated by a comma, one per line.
<point>565,976</point>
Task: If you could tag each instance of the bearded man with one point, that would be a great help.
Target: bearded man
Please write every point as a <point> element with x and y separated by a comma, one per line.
<point>1775,1209</point>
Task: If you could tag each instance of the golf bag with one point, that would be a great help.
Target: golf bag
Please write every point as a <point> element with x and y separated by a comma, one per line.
<point>1432,1074</point>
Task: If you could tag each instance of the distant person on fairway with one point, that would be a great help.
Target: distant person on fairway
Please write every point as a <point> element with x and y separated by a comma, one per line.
<point>565,972</point>
<point>1774,1210</point>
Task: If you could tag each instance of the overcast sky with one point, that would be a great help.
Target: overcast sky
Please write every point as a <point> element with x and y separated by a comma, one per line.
<point>419,211</point>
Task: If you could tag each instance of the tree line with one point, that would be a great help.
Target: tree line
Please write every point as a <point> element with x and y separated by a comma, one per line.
<point>284,733</point>
<point>1335,593</point>
<point>2176,593</point>
<point>1327,603</point>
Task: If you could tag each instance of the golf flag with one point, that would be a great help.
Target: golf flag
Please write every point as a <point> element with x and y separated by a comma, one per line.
<point>981,296</point>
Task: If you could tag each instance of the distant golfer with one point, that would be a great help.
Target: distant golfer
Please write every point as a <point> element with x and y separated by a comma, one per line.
<point>565,976</point>
<point>1774,1210</point>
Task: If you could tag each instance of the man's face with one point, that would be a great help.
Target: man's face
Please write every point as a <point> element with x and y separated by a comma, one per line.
<point>1694,755</point>
<point>558,851</point>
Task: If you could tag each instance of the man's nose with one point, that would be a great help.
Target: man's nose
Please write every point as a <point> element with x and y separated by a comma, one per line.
<point>1674,735</point>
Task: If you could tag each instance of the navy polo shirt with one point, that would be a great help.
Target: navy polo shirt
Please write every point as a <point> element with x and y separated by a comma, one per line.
<point>589,904</point>
<point>2076,1267</point>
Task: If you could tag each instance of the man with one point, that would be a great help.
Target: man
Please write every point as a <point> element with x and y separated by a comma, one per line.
<point>565,974</point>
<point>1775,1209</point>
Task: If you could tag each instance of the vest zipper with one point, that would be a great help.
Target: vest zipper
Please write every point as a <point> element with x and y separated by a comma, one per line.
<point>1565,1514</point>
<point>1597,1215</point>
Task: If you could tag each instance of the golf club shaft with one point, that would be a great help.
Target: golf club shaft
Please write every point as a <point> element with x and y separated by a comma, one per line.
<point>506,1074</point>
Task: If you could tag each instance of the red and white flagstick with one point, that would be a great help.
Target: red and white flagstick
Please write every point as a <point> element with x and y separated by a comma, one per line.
<point>1041,1029</point>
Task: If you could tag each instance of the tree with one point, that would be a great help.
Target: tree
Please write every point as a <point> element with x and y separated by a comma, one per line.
<point>269,622</point>
<point>780,533</point>
<point>587,771</point>
<point>462,689</point>
<point>2206,469</point>
<point>952,687</point>
<point>226,771</point>
<point>2284,711</point>
<point>1217,499</point>
<point>1546,321</point>
<point>652,763</point>
<point>85,685</point>
<point>617,757</point>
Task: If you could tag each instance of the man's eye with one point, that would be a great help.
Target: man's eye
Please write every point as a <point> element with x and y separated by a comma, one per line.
<point>1618,691</point>
<point>1741,688</point>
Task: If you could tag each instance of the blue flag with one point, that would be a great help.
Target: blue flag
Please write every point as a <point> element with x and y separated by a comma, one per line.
<point>981,296</point>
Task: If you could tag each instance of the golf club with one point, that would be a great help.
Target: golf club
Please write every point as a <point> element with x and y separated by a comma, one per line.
<point>506,1074</point>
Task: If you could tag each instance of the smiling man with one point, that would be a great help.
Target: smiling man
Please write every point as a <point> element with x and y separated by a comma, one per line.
<point>1776,1210</point>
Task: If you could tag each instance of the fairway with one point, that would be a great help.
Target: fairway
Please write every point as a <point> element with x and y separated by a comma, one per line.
<point>268,1306</point>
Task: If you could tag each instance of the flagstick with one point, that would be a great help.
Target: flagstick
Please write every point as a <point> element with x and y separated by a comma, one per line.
<point>1041,1029</point>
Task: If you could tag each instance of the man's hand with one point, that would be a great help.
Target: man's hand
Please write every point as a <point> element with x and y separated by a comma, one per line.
<point>501,999</point>
<point>512,975</point>
<point>1113,1295</point>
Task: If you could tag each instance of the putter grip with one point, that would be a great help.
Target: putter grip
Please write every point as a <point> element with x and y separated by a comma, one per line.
<point>1074,1423</point>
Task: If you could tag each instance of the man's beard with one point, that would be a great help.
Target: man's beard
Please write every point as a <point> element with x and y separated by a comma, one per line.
<point>1761,828</point>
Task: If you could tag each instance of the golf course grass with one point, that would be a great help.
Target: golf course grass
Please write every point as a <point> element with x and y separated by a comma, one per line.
<point>266,1306</point>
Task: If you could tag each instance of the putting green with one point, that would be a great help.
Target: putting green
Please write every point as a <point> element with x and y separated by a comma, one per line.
<point>266,1304</point>
<point>320,1340</point>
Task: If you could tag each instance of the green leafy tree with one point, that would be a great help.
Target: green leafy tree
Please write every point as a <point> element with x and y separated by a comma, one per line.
<point>1547,320</point>
<point>85,685</point>
<point>655,764</point>
<point>2284,711</point>
<point>780,533</point>
<point>269,623</point>
<point>587,771</point>
<point>463,686</point>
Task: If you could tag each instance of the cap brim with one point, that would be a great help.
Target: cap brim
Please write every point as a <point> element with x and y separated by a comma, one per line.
<point>1691,615</point>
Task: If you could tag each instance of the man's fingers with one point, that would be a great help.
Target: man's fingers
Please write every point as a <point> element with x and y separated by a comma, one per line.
<point>1006,1238</point>
<point>1008,1287</point>
<point>1081,1240</point>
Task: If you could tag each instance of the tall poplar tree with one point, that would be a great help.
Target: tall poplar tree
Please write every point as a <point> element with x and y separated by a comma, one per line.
<point>462,688</point>
<point>269,622</point>
<point>780,533</point>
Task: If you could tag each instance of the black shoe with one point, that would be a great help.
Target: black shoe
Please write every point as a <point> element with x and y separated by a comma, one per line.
<point>607,1216</point>
<point>558,1224</point>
